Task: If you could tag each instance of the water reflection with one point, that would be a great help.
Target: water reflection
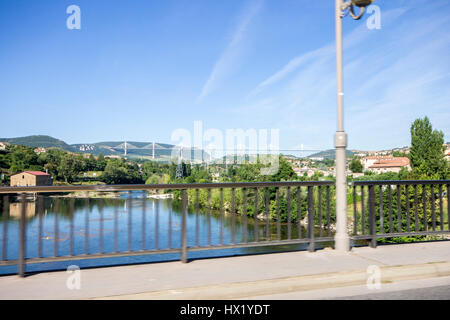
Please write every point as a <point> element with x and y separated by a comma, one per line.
<point>15,209</point>
<point>131,223</point>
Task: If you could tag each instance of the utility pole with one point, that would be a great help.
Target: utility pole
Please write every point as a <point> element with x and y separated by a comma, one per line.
<point>153,151</point>
<point>342,239</point>
<point>179,172</point>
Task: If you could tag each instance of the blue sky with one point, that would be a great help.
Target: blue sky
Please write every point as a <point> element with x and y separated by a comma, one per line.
<point>140,69</point>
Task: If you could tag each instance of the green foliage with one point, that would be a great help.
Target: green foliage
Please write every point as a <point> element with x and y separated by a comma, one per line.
<point>66,166</point>
<point>356,166</point>
<point>403,209</point>
<point>51,161</point>
<point>186,172</point>
<point>69,168</point>
<point>371,176</point>
<point>247,172</point>
<point>101,163</point>
<point>153,179</point>
<point>20,158</point>
<point>251,172</point>
<point>329,162</point>
<point>397,153</point>
<point>117,171</point>
<point>157,179</point>
<point>285,171</point>
<point>152,168</point>
<point>427,150</point>
<point>198,175</point>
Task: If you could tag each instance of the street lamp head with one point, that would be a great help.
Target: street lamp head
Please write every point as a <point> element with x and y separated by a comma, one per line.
<point>362,3</point>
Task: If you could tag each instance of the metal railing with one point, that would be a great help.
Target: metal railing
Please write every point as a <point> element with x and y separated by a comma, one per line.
<point>233,215</point>
<point>210,216</point>
<point>392,209</point>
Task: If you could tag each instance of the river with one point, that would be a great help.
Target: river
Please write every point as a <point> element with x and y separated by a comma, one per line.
<point>146,219</point>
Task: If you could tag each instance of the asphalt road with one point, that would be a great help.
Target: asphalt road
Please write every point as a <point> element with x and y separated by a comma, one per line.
<point>437,288</point>
<point>431,293</point>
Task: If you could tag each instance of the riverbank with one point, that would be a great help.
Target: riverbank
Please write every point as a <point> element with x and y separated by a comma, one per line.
<point>108,195</point>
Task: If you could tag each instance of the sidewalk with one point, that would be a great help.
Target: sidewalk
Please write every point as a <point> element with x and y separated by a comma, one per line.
<point>240,277</point>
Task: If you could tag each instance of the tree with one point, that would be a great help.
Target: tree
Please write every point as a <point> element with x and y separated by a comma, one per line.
<point>172,171</point>
<point>356,166</point>
<point>285,171</point>
<point>51,160</point>
<point>117,171</point>
<point>427,150</point>
<point>397,153</point>
<point>69,168</point>
<point>154,179</point>
<point>101,162</point>
<point>3,162</point>
<point>20,158</point>
<point>90,163</point>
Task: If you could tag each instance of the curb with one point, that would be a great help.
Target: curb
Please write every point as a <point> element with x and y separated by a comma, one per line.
<point>293,284</point>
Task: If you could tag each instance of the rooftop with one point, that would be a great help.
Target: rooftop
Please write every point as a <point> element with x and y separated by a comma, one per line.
<point>390,162</point>
<point>36,173</point>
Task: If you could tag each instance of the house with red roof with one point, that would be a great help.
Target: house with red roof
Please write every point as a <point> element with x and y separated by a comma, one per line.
<point>31,179</point>
<point>384,164</point>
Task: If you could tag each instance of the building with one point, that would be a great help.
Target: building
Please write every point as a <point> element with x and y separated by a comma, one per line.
<point>40,150</point>
<point>369,161</point>
<point>332,171</point>
<point>3,145</point>
<point>385,164</point>
<point>301,171</point>
<point>31,179</point>
<point>215,177</point>
<point>359,154</point>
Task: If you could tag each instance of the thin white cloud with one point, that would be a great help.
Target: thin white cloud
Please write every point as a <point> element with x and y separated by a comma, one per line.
<point>352,39</point>
<point>292,66</point>
<point>230,56</point>
<point>391,78</point>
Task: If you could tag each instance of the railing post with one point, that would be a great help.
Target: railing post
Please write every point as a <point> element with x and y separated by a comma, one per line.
<point>355,215</point>
<point>372,220</point>
<point>5,227</point>
<point>22,235</point>
<point>448,207</point>
<point>183,228</point>
<point>311,219</point>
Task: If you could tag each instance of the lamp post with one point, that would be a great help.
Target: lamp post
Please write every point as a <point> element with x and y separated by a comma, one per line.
<point>342,239</point>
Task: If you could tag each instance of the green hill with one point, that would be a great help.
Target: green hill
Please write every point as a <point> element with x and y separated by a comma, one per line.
<point>328,154</point>
<point>39,141</point>
<point>135,149</point>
